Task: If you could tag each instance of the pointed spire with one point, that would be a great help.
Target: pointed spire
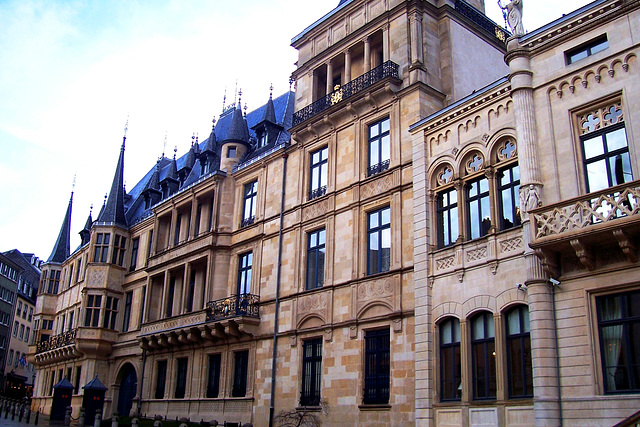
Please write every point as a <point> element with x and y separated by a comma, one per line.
<point>238,130</point>
<point>61,250</point>
<point>86,231</point>
<point>113,211</point>
<point>270,111</point>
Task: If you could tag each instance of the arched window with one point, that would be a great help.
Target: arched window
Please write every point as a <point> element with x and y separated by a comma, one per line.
<point>450,377</point>
<point>483,356</point>
<point>519,371</point>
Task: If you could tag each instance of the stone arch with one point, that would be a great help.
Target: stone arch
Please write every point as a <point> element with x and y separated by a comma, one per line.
<point>437,169</point>
<point>447,309</point>
<point>311,320</point>
<point>478,303</point>
<point>374,309</point>
<point>510,297</point>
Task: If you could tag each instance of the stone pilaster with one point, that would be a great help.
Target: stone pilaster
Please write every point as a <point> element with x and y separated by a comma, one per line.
<point>543,349</point>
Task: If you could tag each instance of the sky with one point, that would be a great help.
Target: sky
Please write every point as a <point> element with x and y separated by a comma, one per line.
<point>74,72</point>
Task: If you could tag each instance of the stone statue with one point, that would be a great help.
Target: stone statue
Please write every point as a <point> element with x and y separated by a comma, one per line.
<point>514,16</point>
<point>531,200</point>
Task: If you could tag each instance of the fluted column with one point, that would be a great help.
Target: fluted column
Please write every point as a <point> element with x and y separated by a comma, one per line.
<point>543,349</point>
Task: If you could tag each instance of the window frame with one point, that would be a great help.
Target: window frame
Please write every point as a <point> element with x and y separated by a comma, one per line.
<point>161,379</point>
<point>487,346</point>
<point>128,305</point>
<point>245,266</point>
<point>101,247</point>
<point>377,367</point>
<point>213,381</point>
<point>321,166</point>
<point>454,358</point>
<point>606,156</point>
<point>249,203</point>
<point>240,373</point>
<point>524,339</point>
<point>380,231</point>
<point>92,311</point>
<point>513,188</point>
<point>479,198</point>
<point>601,43</point>
<point>182,367</point>
<point>449,214</point>
<point>317,255</point>
<point>378,143</point>
<point>311,387</point>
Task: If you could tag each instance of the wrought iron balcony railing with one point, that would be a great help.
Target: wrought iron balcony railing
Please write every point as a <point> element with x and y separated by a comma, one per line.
<point>377,168</point>
<point>481,20</point>
<point>318,192</point>
<point>387,69</point>
<point>247,221</point>
<point>600,207</point>
<point>57,341</point>
<point>247,305</point>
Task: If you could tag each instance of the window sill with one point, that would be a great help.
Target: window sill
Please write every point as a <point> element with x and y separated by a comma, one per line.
<point>313,408</point>
<point>374,407</point>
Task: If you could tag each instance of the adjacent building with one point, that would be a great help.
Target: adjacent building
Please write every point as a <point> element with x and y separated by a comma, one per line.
<point>527,222</point>
<point>20,374</point>
<point>9,273</point>
<point>383,242</point>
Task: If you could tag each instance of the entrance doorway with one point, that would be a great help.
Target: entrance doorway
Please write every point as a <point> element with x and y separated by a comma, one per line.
<point>128,389</point>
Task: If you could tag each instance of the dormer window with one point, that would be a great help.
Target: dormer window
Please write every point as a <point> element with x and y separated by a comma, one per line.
<point>587,49</point>
<point>263,139</point>
<point>231,152</point>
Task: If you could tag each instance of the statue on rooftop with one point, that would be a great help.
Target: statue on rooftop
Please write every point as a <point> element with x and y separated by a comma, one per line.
<point>514,16</point>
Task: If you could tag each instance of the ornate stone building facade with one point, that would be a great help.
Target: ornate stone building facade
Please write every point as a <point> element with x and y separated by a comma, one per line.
<point>526,229</point>
<point>271,267</point>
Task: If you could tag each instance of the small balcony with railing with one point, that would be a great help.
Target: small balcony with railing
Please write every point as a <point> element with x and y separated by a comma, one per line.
<point>236,316</point>
<point>596,228</point>
<point>386,71</point>
<point>55,349</point>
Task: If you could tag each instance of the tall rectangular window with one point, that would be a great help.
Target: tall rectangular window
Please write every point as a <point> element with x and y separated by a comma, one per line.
<point>379,147</point>
<point>619,333</point>
<point>191,290</point>
<point>176,235</point>
<point>318,185</point>
<point>161,379</point>
<point>92,313</point>
<point>149,245</point>
<point>170,295</point>
<point>450,362</point>
<point>101,247</point>
<point>245,262</point>
<point>110,313</point>
<point>144,300</point>
<point>76,384</point>
<point>128,299</point>
<point>249,198</point>
<point>508,192</point>
<point>478,208</point>
<point>311,372</point>
<point>181,377</point>
<point>519,367</point>
<point>54,282</point>
<point>213,379</point>
<point>379,241</point>
<point>377,367</point>
<point>447,212</point>
<point>119,245</point>
<point>483,356</point>
<point>196,229</point>
<point>606,158</point>
<point>135,244</point>
<point>240,370</point>
<point>315,259</point>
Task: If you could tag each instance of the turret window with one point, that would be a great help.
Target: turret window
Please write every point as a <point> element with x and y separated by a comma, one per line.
<point>110,313</point>
<point>102,247</point>
<point>92,313</point>
<point>54,281</point>
<point>118,250</point>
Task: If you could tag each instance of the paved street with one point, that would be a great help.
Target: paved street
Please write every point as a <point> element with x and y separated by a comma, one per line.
<point>43,421</point>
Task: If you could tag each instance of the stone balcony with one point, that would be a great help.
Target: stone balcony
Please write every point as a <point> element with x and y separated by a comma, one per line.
<point>228,318</point>
<point>588,227</point>
<point>56,349</point>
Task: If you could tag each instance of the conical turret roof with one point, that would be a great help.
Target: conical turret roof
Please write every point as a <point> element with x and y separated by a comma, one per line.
<point>113,211</point>
<point>238,130</point>
<point>62,250</point>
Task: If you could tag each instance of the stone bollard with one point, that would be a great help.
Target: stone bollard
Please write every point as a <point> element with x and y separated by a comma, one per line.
<point>114,419</point>
<point>183,425</point>
<point>81,418</point>
<point>35,422</point>
<point>13,412</point>
<point>157,423</point>
<point>67,416</point>
<point>135,422</point>
<point>21,412</point>
<point>98,420</point>
<point>28,416</point>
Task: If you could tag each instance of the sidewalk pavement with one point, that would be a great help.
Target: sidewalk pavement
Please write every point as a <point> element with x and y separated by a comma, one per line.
<point>43,421</point>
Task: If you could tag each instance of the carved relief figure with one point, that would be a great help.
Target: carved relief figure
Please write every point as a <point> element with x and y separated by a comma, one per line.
<point>514,16</point>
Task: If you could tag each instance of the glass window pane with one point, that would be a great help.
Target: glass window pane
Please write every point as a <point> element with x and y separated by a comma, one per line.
<point>385,125</point>
<point>597,176</point>
<point>386,154</point>
<point>593,147</point>
<point>616,140</point>
<point>386,216</point>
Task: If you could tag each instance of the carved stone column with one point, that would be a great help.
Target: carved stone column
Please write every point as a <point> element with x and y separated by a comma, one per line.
<point>347,65</point>
<point>385,43</point>
<point>367,55</point>
<point>329,77</point>
<point>543,349</point>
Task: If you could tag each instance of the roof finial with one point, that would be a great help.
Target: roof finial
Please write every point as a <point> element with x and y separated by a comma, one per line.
<point>196,138</point>
<point>73,184</point>
<point>164,144</point>
<point>271,91</point>
<point>245,110</point>
<point>291,81</point>
<point>126,128</point>
<point>240,97</point>
<point>175,150</point>
<point>213,128</point>
<point>105,199</point>
<point>91,209</point>
<point>235,94</point>
<point>224,98</point>
<point>193,138</point>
